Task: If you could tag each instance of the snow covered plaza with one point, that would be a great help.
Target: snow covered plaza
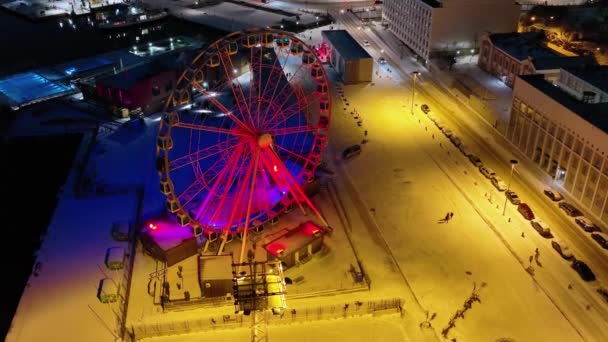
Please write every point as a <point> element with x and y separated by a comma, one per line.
<point>246,165</point>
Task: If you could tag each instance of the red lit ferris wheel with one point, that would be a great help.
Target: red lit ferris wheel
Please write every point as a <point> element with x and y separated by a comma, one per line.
<point>242,132</point>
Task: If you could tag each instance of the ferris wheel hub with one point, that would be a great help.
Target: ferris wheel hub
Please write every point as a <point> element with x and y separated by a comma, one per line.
<point>264,140</point>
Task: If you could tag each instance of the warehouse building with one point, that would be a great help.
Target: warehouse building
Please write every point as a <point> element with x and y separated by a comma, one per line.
<point>349,59</point>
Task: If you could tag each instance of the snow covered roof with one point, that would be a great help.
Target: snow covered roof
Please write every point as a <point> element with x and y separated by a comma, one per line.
<point>346,45</point>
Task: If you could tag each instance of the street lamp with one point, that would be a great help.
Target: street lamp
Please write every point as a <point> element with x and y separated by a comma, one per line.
<point>415,74</point>
<point>513,163</point>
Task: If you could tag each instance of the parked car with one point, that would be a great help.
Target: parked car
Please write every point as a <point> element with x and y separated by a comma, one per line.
<point>455,140</point>
<point>570,209</point>
<point>553,195</point>
<point>351,151</point>
<point>447,132</point>
<point>603,292</point>
<point>583,270</point>
<point>382,60</point>
<point>431,117</point>
<point>562,249</point>
<point>365,43</point>
<point>499,183</point>
<point>425,108</point>
<point>541,227</point>
<point>512,196</point>
<point>464,150</point>
<point>439,124</point>
<point>525,211</point>
<point>601,239</point>
<point>486,171</point>
<point>586,224</point>
<point>475,160</point>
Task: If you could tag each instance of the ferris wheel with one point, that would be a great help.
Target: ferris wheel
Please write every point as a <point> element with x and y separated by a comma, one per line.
<point>242,132</point>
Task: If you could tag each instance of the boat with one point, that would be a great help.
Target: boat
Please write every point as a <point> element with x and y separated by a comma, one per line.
<point>133,16</point>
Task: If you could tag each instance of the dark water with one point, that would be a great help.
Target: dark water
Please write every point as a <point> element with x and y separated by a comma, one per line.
<point>33,169</point>
<point>28,45</point>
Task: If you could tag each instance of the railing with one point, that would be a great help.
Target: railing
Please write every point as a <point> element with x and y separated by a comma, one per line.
<point>142,330</point>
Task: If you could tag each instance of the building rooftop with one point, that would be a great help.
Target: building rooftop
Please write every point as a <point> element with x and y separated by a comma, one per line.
<point>523,45</point>
<point>348,47</point>
<point>564,62</point>
<point>596,75</point>
<point>128,78</point>
<point>433,3</point>
<point>594,113</point>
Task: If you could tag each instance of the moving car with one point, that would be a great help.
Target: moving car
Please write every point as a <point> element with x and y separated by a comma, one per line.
<point>541,227</point>
<point>512,196</point>
<point>365,43</point>
<point>570,209</point>
<point>562,249</point>
<point>382,60</point>
<point>499,183</point>
<point>583,270</point>
<point>425,108</point>
<point>525,211</point>
<point>553,195</point>
<point>486,171</point>
<point>475,160</point>
<point>601,239</point>
<point>351,151</point>
<point>586,224</point>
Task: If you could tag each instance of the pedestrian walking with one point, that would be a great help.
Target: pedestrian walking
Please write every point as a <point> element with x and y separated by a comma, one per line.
<point>447,217</point>
<point>536,252</point>
<point>523,235</point>
<point>433,135</point>
<point>451,215</point>
<point>365,133</point>
<point>531,258</point>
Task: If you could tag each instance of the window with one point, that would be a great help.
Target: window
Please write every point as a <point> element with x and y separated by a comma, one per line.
<point>597,161</point>
<point>156,90</point>
<point>560,134</point>
<point>587,153</point>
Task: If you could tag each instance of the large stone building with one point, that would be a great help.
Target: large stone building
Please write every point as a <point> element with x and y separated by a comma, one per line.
<point>562,126</point>
<point>431,26</point>
<point>507,55</point>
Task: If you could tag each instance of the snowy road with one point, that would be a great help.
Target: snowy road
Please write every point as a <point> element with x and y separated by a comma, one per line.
<point>451,183</point>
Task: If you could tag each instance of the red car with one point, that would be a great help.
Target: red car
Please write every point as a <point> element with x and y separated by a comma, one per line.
<point>525,211</point>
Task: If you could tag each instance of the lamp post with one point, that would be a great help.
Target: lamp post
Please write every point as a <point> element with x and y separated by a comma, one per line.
<point>415,74</point>
<point>513,163</point>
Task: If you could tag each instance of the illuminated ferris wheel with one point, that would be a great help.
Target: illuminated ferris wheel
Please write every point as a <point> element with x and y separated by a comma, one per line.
<point>243,131</point>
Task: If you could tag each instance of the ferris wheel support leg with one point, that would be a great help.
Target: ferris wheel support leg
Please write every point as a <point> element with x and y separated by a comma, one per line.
<point>247,217</point>
<point>224,238</point>
<point>298,191</point>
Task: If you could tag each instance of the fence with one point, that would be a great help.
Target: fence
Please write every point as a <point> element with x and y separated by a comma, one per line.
<point>142,330</point>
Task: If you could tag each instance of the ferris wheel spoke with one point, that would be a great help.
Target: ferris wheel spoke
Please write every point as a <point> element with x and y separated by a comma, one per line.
<point>292,153</point>
<point>281,99</point>
<point>203,153</point>
<point>296,189</point>
<point>282,115</point>
<point>201,183</point>
<point>292,130</point>
<point>237,89</point>
<point>205,128</point>
<point>220,106</point>
<point>232,160</point>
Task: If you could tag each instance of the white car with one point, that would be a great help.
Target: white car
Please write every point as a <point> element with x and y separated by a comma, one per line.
<point>365,43</point>
<point>382,60</point>
<point>499,184</point>
<point>486,171</point>
<point>541,227</point>
<point>448,132</point>
<point>562,248</point>
<point>439,124</point>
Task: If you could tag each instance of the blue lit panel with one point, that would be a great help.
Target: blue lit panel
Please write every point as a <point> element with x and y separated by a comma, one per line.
<point>30,87</point>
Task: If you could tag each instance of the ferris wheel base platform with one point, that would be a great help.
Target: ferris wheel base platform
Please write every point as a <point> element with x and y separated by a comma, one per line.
<point>166,240</point>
